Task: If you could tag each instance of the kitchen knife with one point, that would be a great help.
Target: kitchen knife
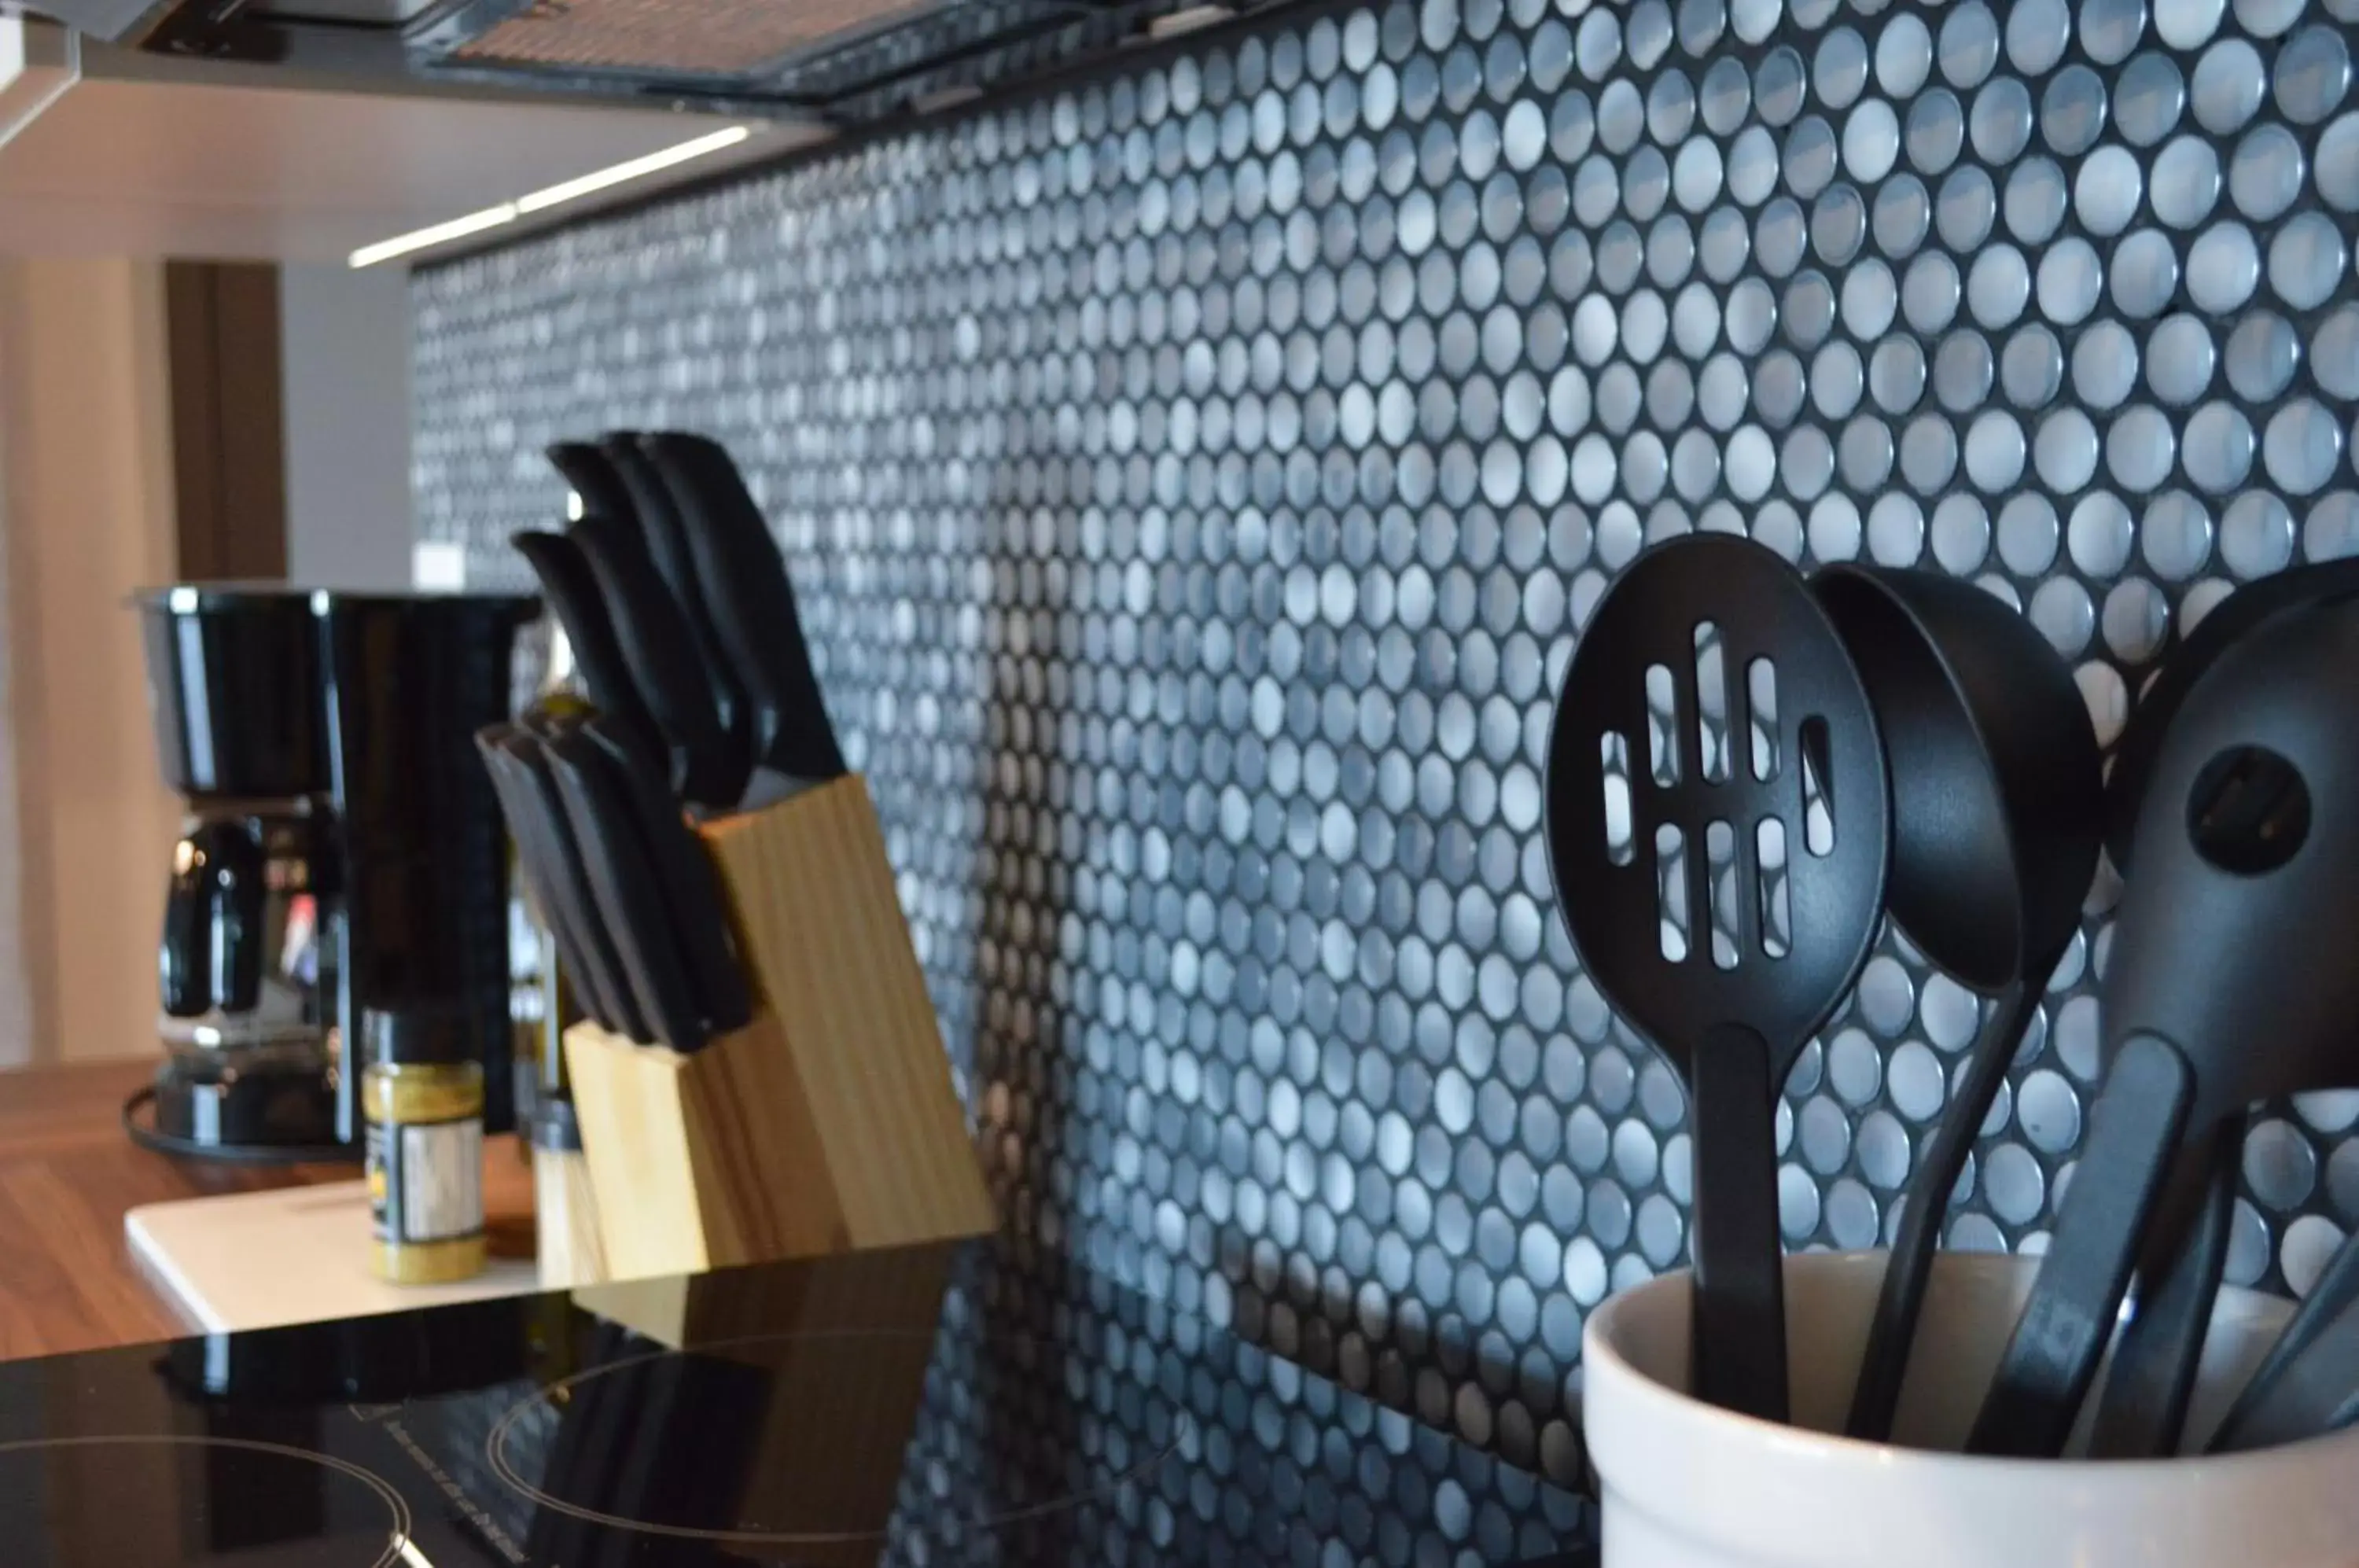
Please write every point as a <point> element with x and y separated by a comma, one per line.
<point>527,746</point>
<point>659,519</point>
<point>752,605</point>
<point>654,636</point>
<point>591,478</point>
<point>571,589</point>
<point>532,859</point>
<point>537,817</point>
<point>628,894</point>
<point>535,855</point>
<point>543,847</point>
<point>691,892</point>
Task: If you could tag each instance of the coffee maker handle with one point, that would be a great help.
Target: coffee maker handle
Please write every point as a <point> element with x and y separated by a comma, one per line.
<point>184,961</point>
<point>237,899</point>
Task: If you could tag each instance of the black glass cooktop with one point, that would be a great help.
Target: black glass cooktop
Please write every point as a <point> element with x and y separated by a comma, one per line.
<point>932,1407</point>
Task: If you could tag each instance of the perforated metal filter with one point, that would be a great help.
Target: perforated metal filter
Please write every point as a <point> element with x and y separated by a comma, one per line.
<point>694,37</point>
<point>1196,477</point>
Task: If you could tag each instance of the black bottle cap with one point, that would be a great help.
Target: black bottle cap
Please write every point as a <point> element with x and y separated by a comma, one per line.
<point>419,1036</point>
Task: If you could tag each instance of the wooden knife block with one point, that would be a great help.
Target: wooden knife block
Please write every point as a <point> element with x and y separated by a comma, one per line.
<point>828,1122</point>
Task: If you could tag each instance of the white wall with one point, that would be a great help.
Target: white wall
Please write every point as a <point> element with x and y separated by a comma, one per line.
<point>344,348</point>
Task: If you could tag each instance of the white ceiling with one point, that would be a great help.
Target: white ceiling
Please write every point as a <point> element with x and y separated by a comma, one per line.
<point>230,168</point>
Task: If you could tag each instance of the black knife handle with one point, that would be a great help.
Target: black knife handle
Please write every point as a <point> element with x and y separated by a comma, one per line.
<point>2144,1407</point>
<point>532,860</point>
<point>629,898</point>
<point>544,841</point>
<point>571,589</point>
<point>599,954</point>
<point>655,638</point>
<point>589,474</point>
<point>666,541</point>
<point>691,889</point>
<point>751,602</point>
<point>2134,1129</point>
<point>1739,1332</point>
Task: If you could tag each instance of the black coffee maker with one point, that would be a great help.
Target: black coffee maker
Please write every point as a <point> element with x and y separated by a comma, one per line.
<point>342,850</point>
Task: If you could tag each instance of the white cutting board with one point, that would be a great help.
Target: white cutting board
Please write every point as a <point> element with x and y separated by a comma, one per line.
<point>287,1256</point>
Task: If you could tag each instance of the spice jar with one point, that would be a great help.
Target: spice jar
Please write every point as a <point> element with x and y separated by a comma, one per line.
<point>422,1096</point>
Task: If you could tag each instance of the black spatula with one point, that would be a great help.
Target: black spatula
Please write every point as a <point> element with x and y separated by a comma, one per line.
<point>1719,819</point>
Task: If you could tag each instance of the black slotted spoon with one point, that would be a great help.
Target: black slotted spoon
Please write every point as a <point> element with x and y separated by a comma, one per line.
<point>1721,890</point>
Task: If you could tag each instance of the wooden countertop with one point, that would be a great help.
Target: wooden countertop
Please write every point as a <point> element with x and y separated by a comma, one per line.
<point>67,1175</point>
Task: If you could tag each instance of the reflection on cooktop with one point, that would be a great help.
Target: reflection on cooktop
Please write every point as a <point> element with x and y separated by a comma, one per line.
<point>929,1405</point>
<point>792,1440</point>
<point>240,1502</point>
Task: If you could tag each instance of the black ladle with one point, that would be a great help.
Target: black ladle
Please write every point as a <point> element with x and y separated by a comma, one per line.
<point>1721,862</point>
<point>2229,981</point>
<point>1996,810</point>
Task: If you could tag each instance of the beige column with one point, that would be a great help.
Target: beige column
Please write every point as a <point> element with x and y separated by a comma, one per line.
<point>86,515</point>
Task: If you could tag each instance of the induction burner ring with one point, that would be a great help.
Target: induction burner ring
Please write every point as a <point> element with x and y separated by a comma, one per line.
<point>397,1543</point>
<point>496,1451</point>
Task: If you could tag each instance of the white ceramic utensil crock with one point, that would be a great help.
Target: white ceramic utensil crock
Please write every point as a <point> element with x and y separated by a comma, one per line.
<point>1686,1484</point>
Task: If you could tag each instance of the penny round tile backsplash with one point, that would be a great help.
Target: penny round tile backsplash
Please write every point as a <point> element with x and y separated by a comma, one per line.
<point>1195,477</point>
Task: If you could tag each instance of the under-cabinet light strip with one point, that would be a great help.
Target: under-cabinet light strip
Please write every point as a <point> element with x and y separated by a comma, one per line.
<point>631,168</point>
<point>547,197</point>
<point>433,234</point>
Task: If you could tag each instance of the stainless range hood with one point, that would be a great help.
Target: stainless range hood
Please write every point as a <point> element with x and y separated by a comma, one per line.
<point>840,60</point>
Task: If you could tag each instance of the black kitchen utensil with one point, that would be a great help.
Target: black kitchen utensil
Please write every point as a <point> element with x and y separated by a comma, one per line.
<point>628,894</point>
<point>2155,1359</point>
<point>2231,954</point>
<point>691,891</point>
<point>2228,622</point>
<point>1997,806</point>
<point>591,477</point>
<point>2154,1363</point>
<point>1720,830</point>
<point>544,835</point>
<point>659,519</point>
<point>571,589</point>
<point>2308,1383</point>
<point>2144,1405</point>
<point>654,636</point>
<point>532,860</point>
<point>2134,1126</point>
<point>752,603</point>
